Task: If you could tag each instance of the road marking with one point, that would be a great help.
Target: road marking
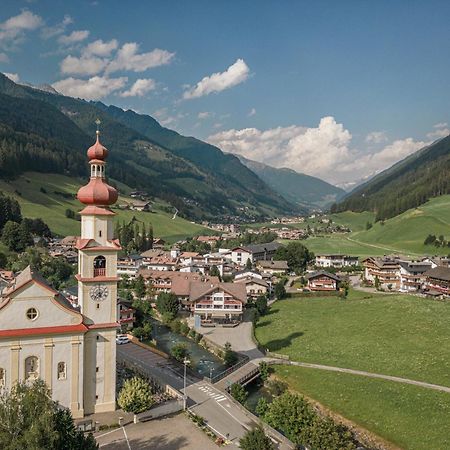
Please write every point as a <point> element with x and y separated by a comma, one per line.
<point>126,437</point>
<point>108,432</point>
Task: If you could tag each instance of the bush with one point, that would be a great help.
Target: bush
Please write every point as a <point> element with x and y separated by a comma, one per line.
<point>264,370</point>
<point>261,305</point>
<point>276,387</point>
<point>175,325</point>
<point>239,393</point>
<point>179,352</point>
<point>184,328</point>
<point>135,396</point>
<point>256,439</point>
<point>261,407</point>
<point>198,337</point>
<point>230,358</point>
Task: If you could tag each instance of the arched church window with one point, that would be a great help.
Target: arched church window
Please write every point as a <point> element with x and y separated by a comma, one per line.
<point>2,377</point>
<point>62,370</point>
<point>32,368</point>
<point>99,266</point>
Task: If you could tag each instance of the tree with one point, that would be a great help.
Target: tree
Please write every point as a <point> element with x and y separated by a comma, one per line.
<point>248,264</point>
<point>261,407</point>
<point>280,291</point>
<point>261,304</point>
<point>256,439</point>
<point>143,333</point>
<point>377,283</point>
<point>16,236</point>
<point>369,225</point>
<point>135,396</point>
<point>215,272</point>
<point>179,351</point>
<point>167,304</point>
<point>296,254</point>
<point>230,357</point>
<point>32,420</point>
<point>139,287</point>
<point>238,393</point>
<point>3,260</point>
<point>264,370</point>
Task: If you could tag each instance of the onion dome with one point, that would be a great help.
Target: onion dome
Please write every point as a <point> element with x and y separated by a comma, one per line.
<point>97,151</point>
<point>97,192</point>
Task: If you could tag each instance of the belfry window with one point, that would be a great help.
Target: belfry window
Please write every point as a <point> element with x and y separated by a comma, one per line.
<point>99,266</point>
<point>32,368</point>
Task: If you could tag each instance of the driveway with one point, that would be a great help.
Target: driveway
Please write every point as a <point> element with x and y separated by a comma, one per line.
<point>169,433</point>
<point>239,337</point>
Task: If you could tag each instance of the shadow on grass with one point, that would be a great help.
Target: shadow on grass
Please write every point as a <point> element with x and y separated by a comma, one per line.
<point>278,344</point>
<point>263,324</point>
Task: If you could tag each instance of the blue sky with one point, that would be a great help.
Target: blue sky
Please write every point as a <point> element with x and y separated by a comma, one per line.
<point>337,89</point>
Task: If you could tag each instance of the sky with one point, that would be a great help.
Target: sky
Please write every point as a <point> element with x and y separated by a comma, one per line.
<point>336,89</point>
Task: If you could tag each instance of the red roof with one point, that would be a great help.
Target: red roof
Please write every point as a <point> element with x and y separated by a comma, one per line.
<point>44,330</point>
<point>97,192</point>
<point>98,211</point>
<point>97,151</point>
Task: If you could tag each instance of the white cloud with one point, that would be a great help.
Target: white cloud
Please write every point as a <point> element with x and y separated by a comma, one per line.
<point>376,137</point>
<point>13,30</point>
<point>85,65</point>
<point>324,151</point>
<point>100,48</point>
<point>94,88</point>
<point>74,37</point>
<point>60,28</point>
<point>12,76</point>
<point>205,115</point>
<point>252,112</point>
<point>440,130</point>
<point>4,57</point>
<point>128,58</point>
<point>235,74</point>
<point>140,88</point>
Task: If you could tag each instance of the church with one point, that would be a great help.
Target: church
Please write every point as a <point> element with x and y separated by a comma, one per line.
<point>43,336</point>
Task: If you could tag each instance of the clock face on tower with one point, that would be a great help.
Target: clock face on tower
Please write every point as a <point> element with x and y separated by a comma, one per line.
<point>98,293</point>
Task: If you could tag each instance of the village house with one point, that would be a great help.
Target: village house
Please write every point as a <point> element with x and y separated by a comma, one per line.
<point>254,252</point>
<point>412,275</point>
<point>210,240</point>
<point>159,263</point>
<point>125,313</point>
<point>437,281</point>
<point>140,205</point>
<point>158,243</point>
<point>218,303</point>
<point>386,269</point>
<point>129,265</point>
<point>176,282</point>
<point>255,287</point>
<point>323,281</point>
<point>336,261</point>
<point>273,267</point>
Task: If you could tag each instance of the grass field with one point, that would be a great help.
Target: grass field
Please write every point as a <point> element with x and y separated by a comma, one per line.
<point>400,335</point>
<point>50,205</point>
<point>403,234</point>
<point>410,417</point>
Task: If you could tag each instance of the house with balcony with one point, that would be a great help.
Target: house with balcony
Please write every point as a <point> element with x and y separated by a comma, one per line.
<point>273,267</point>
<point>323,281</point>
<point>129,265</point>
<point>218,303</point>
<point>386,269</point>
<point>254,252</point>
<point>412,275</point>
<point>437,281</point>
<point>125,314</point>
<point>255,287</point>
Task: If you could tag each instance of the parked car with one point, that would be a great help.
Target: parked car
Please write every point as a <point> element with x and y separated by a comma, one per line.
<point>122,339</point>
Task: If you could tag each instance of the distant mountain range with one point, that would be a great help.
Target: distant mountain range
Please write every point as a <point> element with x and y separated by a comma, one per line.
<point>305,190</point>
<point>43,131</point>
<point>407,184</point>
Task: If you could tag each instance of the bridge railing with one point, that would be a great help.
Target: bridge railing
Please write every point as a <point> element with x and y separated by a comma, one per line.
<point>245,359</point>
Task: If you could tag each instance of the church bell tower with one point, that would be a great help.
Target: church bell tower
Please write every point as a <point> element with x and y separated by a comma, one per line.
<point>97,284</point>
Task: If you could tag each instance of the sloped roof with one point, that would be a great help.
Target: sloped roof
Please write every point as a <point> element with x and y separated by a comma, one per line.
<point>277,265</point>
<point>323,273</point>
<point>258,248</point>
<point>199,290</point>
<point>439,272</point>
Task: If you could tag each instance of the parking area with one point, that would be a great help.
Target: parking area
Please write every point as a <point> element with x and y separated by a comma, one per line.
<point>170,433</point>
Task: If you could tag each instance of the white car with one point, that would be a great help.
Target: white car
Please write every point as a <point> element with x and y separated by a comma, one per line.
<point>122,340</point>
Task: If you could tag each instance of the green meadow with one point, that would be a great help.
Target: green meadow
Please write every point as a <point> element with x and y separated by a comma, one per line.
<point>46,196</point>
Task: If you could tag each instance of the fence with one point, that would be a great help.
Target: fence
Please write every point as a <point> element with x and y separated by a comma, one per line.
<point>164,409</point>
<point>245,359</point>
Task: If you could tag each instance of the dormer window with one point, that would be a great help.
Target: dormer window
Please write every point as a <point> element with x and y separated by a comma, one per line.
<point>99,266</point>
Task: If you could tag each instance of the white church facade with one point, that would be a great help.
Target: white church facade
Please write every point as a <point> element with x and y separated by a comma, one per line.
<point>43,336</point>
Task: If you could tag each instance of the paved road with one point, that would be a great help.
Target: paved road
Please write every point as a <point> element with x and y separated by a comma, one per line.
<point>221,414</point>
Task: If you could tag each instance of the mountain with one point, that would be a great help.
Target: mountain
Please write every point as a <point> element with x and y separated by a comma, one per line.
<point>305,190</point>
<point>198,179</point>
<point>407,184</point>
